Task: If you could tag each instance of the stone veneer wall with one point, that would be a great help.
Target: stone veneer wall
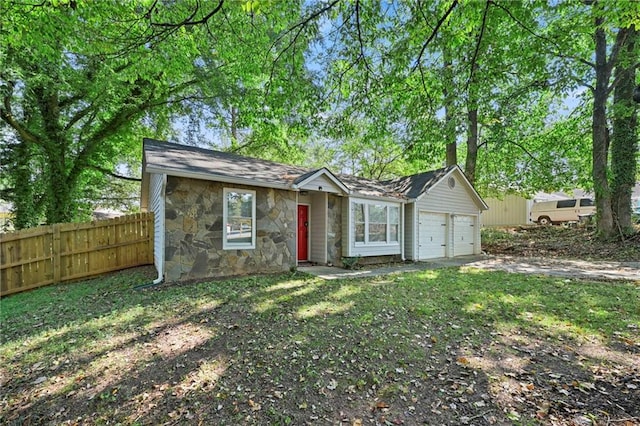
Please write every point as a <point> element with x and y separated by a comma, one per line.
<point>194,226</point>
<point>334,230</point>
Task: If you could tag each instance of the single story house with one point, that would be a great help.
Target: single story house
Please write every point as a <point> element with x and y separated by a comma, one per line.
<point>221,214</point>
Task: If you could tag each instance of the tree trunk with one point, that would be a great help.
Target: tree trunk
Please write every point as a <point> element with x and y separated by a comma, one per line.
<point>472,144</point>
<point>600,140</point>
<point>26,211</point>
<point>624,142</point>
<point>449,117</point>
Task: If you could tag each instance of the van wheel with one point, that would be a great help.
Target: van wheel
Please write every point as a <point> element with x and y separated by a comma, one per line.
<point>544,220</point>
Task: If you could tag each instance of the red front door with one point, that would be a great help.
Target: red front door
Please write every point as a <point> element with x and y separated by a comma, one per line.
<point>303,232</point>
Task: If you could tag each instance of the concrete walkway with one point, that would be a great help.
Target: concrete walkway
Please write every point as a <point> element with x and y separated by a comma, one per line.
<point>573,269</point>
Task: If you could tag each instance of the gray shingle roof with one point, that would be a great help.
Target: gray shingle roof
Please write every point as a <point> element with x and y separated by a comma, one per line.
<point>184,159</point>
<point>415,185</point>
<point>187,160</point>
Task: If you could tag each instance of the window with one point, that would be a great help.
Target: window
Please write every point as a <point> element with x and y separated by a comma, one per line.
<point>239,218</point>
<point>586,202</point>
<point>376,223</point>
<point>563,204</point>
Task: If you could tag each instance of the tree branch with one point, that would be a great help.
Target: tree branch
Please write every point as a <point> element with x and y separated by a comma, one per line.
<point>360,42</point>
<point>418,63</point>
<point>187,21</point>
<point>557,51</point>
<point>7,116</point>
<point>115,175</point>
<point>477,50</point>
<point>298,28</point>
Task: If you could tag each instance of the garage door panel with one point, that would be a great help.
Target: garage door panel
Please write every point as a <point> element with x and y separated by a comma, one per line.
<point>432,239</point>
<point>464,235</point>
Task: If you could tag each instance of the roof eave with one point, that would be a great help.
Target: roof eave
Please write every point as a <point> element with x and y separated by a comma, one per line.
<point>378,197</point>
<point>220,178</point>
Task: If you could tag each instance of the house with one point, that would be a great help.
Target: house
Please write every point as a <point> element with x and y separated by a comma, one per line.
<point>221,214</point>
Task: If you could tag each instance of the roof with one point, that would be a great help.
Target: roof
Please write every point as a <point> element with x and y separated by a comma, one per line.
<point>190,161</point>
<point>199,163</point>
<point>415,185</point>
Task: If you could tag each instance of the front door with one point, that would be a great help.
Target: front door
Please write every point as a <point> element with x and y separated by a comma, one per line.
<point>303,232</point>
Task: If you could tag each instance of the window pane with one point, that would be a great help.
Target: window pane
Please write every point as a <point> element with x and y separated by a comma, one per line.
<point>358,215</point>
<point>239,218</point>
<point>394,223</point>
<point>377,214</point>
<point>359,232</point>
<point>586,202</point>
<point>566,203</point>
<point>393,233</point>
<point>358,212</point>
<point>377,223</point>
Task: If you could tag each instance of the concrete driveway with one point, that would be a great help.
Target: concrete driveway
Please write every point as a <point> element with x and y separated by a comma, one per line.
<point>574,269</point>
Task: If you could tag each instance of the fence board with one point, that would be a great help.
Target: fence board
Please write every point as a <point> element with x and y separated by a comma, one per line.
<point>51,254</point>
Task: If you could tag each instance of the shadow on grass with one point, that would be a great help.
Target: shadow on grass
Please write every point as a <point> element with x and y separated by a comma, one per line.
<point>436,346</point>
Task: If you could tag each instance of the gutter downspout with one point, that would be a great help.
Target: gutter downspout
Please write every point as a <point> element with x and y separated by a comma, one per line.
<point>402,234</point>
<point>159,215</point>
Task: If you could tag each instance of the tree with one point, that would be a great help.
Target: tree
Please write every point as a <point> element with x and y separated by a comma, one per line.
<point>82,82</point>
<point>624,140</point>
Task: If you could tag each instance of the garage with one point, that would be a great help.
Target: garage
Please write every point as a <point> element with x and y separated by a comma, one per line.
<point>442,214</point>
<point>432,231</point>
<point>464,235</point>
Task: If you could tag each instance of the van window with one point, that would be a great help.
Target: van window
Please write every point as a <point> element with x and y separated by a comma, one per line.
<point>586,202</point>
<point>562,204</point>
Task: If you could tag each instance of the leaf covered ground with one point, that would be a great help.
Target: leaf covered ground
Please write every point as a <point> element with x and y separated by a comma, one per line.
<point>434,347</point>
<point>559,242</point>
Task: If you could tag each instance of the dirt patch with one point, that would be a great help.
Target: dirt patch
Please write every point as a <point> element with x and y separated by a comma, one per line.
<point>578,243</point>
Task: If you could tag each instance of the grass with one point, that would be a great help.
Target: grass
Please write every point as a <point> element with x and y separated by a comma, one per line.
<point>441,346</point>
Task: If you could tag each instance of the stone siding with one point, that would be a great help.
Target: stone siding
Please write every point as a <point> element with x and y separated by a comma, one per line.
<point>194,227</point>
<point>334,230</point>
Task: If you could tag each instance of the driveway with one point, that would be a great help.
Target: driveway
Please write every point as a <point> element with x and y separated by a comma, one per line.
<point>574,269</point>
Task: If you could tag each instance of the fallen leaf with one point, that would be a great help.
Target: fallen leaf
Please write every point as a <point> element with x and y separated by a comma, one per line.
<point>254,405</point>
<point>380,405</point>
<point>39,380</point>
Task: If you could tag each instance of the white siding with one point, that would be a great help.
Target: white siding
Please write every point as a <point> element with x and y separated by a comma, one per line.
<point>322,183</point>
<point>318,227</point>
<point>443,199</point>
<point>409,231</point>
<point>156,204</point>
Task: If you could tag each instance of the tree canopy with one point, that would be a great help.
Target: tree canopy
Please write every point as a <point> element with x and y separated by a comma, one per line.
<point>525,96</point>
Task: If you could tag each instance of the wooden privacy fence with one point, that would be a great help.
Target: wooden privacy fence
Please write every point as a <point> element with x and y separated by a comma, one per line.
<point>51,254</point>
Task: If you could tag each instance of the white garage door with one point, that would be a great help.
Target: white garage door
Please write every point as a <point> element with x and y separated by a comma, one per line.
<point>432,241</point>
<point>464,235</point>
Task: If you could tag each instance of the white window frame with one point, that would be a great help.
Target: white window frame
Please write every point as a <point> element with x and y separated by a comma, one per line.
<point>387,207</point>
<point>229,245</point>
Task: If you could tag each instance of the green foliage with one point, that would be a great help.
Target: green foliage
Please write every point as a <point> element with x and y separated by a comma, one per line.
<point>83,82</point>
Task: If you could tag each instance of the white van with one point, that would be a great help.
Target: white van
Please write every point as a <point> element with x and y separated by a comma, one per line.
<point>558,211</point>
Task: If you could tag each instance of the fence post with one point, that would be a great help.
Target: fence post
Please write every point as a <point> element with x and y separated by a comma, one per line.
<point>57,266</point>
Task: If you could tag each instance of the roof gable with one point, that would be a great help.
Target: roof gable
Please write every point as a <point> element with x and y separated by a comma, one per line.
<point>320,177</point>
<point>418,185</point>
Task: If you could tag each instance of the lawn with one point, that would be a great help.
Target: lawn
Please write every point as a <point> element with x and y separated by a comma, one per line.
<point>435,347</point>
